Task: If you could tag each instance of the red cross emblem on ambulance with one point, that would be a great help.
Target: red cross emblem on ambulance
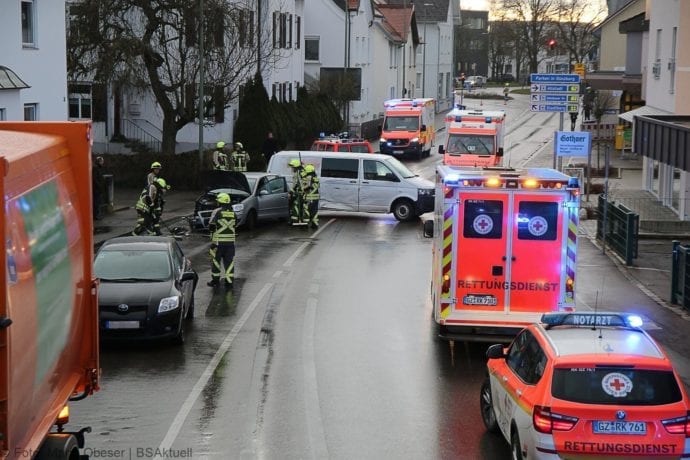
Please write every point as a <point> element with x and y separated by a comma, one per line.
<point>616,384</point>
<point>483,224</point>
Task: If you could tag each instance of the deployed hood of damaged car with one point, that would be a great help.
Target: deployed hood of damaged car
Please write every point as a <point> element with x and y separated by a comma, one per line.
<point>225,180</point>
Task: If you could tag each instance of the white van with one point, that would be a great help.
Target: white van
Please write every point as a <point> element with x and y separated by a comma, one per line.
<point>362,182</point>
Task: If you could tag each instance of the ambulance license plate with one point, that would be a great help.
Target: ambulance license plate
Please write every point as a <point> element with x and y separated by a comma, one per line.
<point>619,427</point>
<point>122,325</point>
<point>474,299</point>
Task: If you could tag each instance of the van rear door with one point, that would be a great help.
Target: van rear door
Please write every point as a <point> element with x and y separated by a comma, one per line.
<point>339,189</point>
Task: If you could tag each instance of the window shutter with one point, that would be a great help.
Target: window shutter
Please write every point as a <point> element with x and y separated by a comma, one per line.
<point>289,34</point>
<point>99,102</point>
<point>276,21</point>
<point>298,38</point>
<point>219,103</point>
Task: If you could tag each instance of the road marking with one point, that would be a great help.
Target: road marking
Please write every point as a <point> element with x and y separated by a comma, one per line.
<point>303,246</point>
<point>186,407</point>
<point>312,407</point>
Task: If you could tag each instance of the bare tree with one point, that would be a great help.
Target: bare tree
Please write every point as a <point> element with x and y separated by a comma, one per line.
<point>153,45</point>
<point>531,18</point>
<point>576,24</point>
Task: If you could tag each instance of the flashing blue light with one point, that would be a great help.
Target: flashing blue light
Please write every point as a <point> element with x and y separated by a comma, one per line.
<point>454,178</point>
<point>458,118</point>
<point>634,321</point>
<point>322,135</point>
<point>573,182</point>
<point>487,119</point>
<point>414,103</point>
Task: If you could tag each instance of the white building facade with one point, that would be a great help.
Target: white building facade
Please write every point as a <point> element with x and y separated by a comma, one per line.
<point>33,46</point>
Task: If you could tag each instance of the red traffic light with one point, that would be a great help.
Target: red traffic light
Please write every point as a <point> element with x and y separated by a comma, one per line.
<point>552,43</point>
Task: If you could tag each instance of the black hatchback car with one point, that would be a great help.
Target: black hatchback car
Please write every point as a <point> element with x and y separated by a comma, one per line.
<point>146,288</point>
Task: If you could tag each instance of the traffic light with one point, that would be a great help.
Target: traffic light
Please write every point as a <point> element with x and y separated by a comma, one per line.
<point>552,44</point>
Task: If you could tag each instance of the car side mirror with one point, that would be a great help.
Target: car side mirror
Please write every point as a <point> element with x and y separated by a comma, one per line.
<point>263,192</point>
<point>500,152</point>
<point>495,352</point>
<point>423,127</point>
<point>441,150</point>
<point>428,228</point>
<point>188,276</point>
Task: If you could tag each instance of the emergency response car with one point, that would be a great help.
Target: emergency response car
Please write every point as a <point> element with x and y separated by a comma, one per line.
<point>586,385</point>
<point>475,138</point>
<point>341,144</point>
<point>504,249</point>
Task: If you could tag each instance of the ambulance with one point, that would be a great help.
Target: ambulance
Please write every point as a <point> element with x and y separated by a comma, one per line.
<point>504,249</point>
<point>475,138</point>
<point>408,127</point>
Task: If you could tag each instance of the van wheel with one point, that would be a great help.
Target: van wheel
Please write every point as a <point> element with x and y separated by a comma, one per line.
<point>403,210</point>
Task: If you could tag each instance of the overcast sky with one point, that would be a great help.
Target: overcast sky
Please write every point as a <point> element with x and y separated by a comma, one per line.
<point>483,5</point>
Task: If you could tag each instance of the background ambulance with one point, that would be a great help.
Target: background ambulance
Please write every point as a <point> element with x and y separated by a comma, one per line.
<point>408,127</point>
<point>504,249</point>
<point>475,138</point>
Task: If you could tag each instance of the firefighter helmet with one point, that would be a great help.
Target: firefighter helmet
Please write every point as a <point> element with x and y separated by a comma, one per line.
<point>309,169</point>
<point>223,198</point>
<point>220,144</point>
<point>155,164</point>
<point>294,163</point>
<point>161,183</point>
<point>239,145</point>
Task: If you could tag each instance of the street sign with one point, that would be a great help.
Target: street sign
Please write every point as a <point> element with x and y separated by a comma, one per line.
<point>554,107</point>
<point>535,88</point>
<point>554,78</point>
<point>572,143</point>
<point>553,97</point>
<point>579,69</point>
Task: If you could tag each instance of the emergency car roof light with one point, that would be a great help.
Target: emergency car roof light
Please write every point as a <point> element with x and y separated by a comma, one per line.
<point>591,319</point>
<point>322,135</point>
<point>530,183</point>
<point>573,182</point>
<point>487,120</point>
<point>493,182</point>
<point>458,118</point>
<point>452,178</point>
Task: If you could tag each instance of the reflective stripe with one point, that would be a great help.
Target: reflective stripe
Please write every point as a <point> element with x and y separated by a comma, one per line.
<point>223,224</point>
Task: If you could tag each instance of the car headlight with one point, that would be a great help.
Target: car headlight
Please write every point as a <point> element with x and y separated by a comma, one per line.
<point>382,140</point>
<point>168,304</point>
<point>425,191</point>
<point>414,139</point>
<point>239,207</point>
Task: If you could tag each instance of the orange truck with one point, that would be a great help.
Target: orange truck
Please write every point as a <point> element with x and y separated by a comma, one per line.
<point>504,249</point>
<point>408,127</point>
<point>475,138</point>
<point>49,318</point>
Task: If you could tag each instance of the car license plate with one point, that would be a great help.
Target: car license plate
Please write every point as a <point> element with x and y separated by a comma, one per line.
<point>122,324</point>
<point>479,300</point>
<point>619,427</point>
<point>398,152</point>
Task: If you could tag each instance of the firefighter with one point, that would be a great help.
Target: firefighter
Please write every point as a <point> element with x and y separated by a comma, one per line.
<point>144,208</point>
<point>220,158</point>
<point>158,203</point>
<point>239,157</point>
<point>311,196</point>
<point>222,228</point>
<point>154,173</point>
<point>296,196</point>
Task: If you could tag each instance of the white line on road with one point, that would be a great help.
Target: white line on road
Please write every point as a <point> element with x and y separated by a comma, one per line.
<point>186,407</point>
<point>304,245</point>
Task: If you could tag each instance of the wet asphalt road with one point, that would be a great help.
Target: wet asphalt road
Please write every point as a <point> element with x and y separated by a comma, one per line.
<point>324,349</point>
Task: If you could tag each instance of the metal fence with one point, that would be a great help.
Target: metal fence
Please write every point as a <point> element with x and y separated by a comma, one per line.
<point>680,275</point>
<point>618,227</point>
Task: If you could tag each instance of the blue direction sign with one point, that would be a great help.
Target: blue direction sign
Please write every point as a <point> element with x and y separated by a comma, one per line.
<point>553,97</point>
<point>554,107</point>
<point>554,78</point>
<point>535,88</point>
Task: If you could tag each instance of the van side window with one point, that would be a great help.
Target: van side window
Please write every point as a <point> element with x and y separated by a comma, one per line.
<point>345,168</point>
<point>375,170</point>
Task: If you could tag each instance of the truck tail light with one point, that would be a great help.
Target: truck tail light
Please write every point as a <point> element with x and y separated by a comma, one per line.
<point>678,425</point>
<point>545,421</point>
<point>569,285</point>
<point>445,287</point>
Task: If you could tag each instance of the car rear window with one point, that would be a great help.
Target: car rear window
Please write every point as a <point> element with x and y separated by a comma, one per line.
<point>615,385</point>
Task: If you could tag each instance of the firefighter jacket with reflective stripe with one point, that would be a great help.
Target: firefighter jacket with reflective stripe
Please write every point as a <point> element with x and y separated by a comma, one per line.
<point>220,161</point>
<point>147,198</point>
<point>222,225</point>
<point>240,158</point>
<point>297,179</point>
<point>311,187</point>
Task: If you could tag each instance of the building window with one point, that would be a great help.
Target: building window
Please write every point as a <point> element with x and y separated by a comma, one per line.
<point>3,114</point>
<point>311,49</point>
<point>30,112</point>
<point>28,21</point>
<point>80,101</point>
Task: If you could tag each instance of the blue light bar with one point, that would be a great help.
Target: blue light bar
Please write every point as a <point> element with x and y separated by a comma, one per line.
<point>591,319</point>
<point>452,178</point>
<point>487,119</point>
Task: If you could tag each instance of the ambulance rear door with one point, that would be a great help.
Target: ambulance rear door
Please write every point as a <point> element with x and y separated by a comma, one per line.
<point>483,241</point>
<point>537,254</point>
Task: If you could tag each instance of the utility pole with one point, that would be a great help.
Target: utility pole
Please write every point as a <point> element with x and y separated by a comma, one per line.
<point>201,84</point>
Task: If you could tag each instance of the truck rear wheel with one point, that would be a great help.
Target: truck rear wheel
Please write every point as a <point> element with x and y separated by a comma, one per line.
<point>59,446</point>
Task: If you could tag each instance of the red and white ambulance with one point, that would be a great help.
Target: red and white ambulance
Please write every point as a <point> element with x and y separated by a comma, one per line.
<point>475,138</point>
<point>504,249</point>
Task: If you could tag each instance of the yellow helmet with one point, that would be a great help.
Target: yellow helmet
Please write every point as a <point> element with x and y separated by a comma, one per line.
<point>220,144</point>
<point>309,169</point>
<point>155,164</point>
<point>294,163</point>
<point>239,145</point>
<point>223,198</point>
